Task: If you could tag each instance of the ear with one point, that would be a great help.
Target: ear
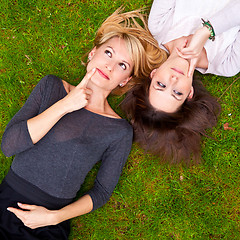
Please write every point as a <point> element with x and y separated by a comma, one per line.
<point>153,73</point>
<point>92,53</point>
<point>190,95</point>
<point>122,84</point>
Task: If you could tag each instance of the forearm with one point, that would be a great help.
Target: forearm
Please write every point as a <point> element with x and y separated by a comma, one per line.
<point>34,216</point>
<point>80,207</point>
<point>76,99</point>
<point>39,125</point>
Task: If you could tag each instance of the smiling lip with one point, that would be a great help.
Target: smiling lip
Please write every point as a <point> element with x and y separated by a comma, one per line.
<point>102,74</point>
<point>178,71</point>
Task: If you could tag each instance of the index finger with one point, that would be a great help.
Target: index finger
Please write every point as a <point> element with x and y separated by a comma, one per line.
<point>185,53</point>
<point>84,82</point>
<point>192,67</point>
<point>16,211</point>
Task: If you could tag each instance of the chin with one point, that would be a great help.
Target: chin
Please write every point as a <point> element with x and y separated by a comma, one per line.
<point>184,63</point>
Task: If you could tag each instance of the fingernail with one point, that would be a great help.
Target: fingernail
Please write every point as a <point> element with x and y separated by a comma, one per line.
<point>8,209</point>
<point>19,204</point>
<point>93,69</point>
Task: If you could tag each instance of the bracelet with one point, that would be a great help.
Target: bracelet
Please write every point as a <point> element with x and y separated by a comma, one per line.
<point>209,26</point>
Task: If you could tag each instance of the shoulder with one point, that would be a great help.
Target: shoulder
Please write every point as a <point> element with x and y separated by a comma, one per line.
<point>115,128</point>
<point>49,81</point>
<point>50,88</point>
<point>124,129</point>
<point>119,136</point>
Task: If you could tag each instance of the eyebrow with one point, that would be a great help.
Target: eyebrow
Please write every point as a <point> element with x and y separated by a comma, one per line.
<point>176,97</point>
<point>122,60</point>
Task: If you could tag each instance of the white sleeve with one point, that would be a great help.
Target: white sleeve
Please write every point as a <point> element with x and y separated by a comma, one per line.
<point>227,18</point>
<point>160,17</point>
<point>229,64</point>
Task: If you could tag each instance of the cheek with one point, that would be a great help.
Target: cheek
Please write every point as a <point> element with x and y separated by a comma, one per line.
<point>186,85</point>
<point>121,74</point>
<point>154,96</point>
<point>90,65</point>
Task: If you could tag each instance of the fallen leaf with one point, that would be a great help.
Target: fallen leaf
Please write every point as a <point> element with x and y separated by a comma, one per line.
<point>226,127</point>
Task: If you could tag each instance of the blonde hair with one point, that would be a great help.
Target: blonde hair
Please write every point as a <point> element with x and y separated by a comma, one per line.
<point>142,47</point>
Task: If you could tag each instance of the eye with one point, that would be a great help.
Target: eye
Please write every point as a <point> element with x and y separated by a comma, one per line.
<point>123,66</point>
<point>161,84</point>
<point>177,93</point>
<point>108,53</point>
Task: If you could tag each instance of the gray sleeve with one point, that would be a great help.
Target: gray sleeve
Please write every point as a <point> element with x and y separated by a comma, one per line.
<point>110,170</point>
<point>16,137</point>
<point>227,18</point>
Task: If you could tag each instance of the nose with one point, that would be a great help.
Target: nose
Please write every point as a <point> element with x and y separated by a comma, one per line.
<point>109,66</point>
<point>173,78</point>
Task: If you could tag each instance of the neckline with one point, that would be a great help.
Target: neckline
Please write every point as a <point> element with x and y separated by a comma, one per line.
<point>100,115</point>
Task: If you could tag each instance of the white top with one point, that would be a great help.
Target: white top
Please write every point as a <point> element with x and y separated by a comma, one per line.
<point>172,19</point>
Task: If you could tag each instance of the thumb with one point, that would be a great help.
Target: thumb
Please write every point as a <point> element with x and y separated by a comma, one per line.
<point>87,77</point>
<point>183,53</point>
<point>183,46</point>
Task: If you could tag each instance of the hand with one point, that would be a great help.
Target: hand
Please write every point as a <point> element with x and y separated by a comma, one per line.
<point>35,216</point>
<point>192,50</point>
<point>79,97</point>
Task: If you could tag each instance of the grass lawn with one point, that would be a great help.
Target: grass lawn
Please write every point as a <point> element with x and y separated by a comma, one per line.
<point>152,200</point>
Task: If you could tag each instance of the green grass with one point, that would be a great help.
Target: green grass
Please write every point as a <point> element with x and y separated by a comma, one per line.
<point>152,200</point>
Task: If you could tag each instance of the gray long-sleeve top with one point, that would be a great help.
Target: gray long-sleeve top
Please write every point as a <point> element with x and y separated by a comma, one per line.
<point>60,161</point>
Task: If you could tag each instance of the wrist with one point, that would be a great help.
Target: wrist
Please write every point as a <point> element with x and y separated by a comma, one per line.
<point>208,25</point>
<point>206,32</point>
<point>60,215</point>
<point>54,217</point>
<point>63,107</point>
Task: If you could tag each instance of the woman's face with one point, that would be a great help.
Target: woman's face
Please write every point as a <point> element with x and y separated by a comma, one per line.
<point>170,85</point>
<point>113,64</point>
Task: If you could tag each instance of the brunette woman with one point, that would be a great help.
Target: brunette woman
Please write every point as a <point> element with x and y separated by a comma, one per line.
<point>172,110</point>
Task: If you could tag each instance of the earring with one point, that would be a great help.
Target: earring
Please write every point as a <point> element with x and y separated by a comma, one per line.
<point>121,85</point>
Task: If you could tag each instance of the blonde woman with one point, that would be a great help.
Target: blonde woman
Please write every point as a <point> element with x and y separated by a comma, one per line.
<point>62,131</point>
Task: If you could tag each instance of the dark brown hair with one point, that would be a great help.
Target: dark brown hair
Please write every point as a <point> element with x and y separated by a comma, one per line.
<point>175,136</point>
